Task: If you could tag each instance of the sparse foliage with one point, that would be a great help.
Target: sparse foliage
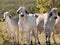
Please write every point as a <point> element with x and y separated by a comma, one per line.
<point>45,5</point>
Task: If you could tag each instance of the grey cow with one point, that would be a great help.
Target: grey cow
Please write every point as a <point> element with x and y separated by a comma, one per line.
<point>46,22</point>
<point>12,27</point>
<point>27,23</point>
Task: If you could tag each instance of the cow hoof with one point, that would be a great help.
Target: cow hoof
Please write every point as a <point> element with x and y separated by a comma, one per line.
<point>31,43</point>
<point>39,43</point>
<point>55,43</point>
<point>35,44</point>
<point>48,43</point>
<point>24,44</point>
<point>17,44</point>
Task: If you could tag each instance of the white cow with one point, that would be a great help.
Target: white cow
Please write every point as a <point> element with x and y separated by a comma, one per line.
<point>27,23</point>
<point>12,27</point>
<point>40,22</point>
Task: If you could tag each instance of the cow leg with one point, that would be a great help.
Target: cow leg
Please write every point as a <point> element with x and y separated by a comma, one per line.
<point>9,38</point>
<point>13,37</point>
<point>35,39</point>
<point>12,40</point>
<point>28,37</point>
<point>17,37</point>
<point>48,38</point>
<point>15,41</point>
<point>35,33</point>
<point>53,38</point>
<point>21,38</point>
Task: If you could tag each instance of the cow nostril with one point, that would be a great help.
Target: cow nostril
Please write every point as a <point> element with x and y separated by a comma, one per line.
<point>3,19</point>
<point>22,15</point>
<point>55,17</point>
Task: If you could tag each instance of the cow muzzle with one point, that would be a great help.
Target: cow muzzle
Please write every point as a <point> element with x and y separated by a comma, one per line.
<point>55,17</point>
<point>22,15</point>
<point>3,20</point>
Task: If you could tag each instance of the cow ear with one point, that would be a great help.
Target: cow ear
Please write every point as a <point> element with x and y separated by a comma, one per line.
<point>50,14</point>
<point>59,13</point>
<point>17,12</point>
<point>26,12</point>
<point>36,16</point>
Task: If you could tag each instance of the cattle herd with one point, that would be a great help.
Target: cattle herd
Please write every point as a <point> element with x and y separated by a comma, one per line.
<point>31,24</point>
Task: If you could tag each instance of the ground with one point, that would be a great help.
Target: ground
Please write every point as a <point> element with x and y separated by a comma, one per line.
<point>3,36</point>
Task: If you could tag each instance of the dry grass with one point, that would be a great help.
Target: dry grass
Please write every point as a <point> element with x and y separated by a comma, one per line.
<point>3,36</point>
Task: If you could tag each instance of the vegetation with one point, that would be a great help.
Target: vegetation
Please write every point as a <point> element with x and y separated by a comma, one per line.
<point>46,5</point>
<point>13,5</point>
<point>33,6</point>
